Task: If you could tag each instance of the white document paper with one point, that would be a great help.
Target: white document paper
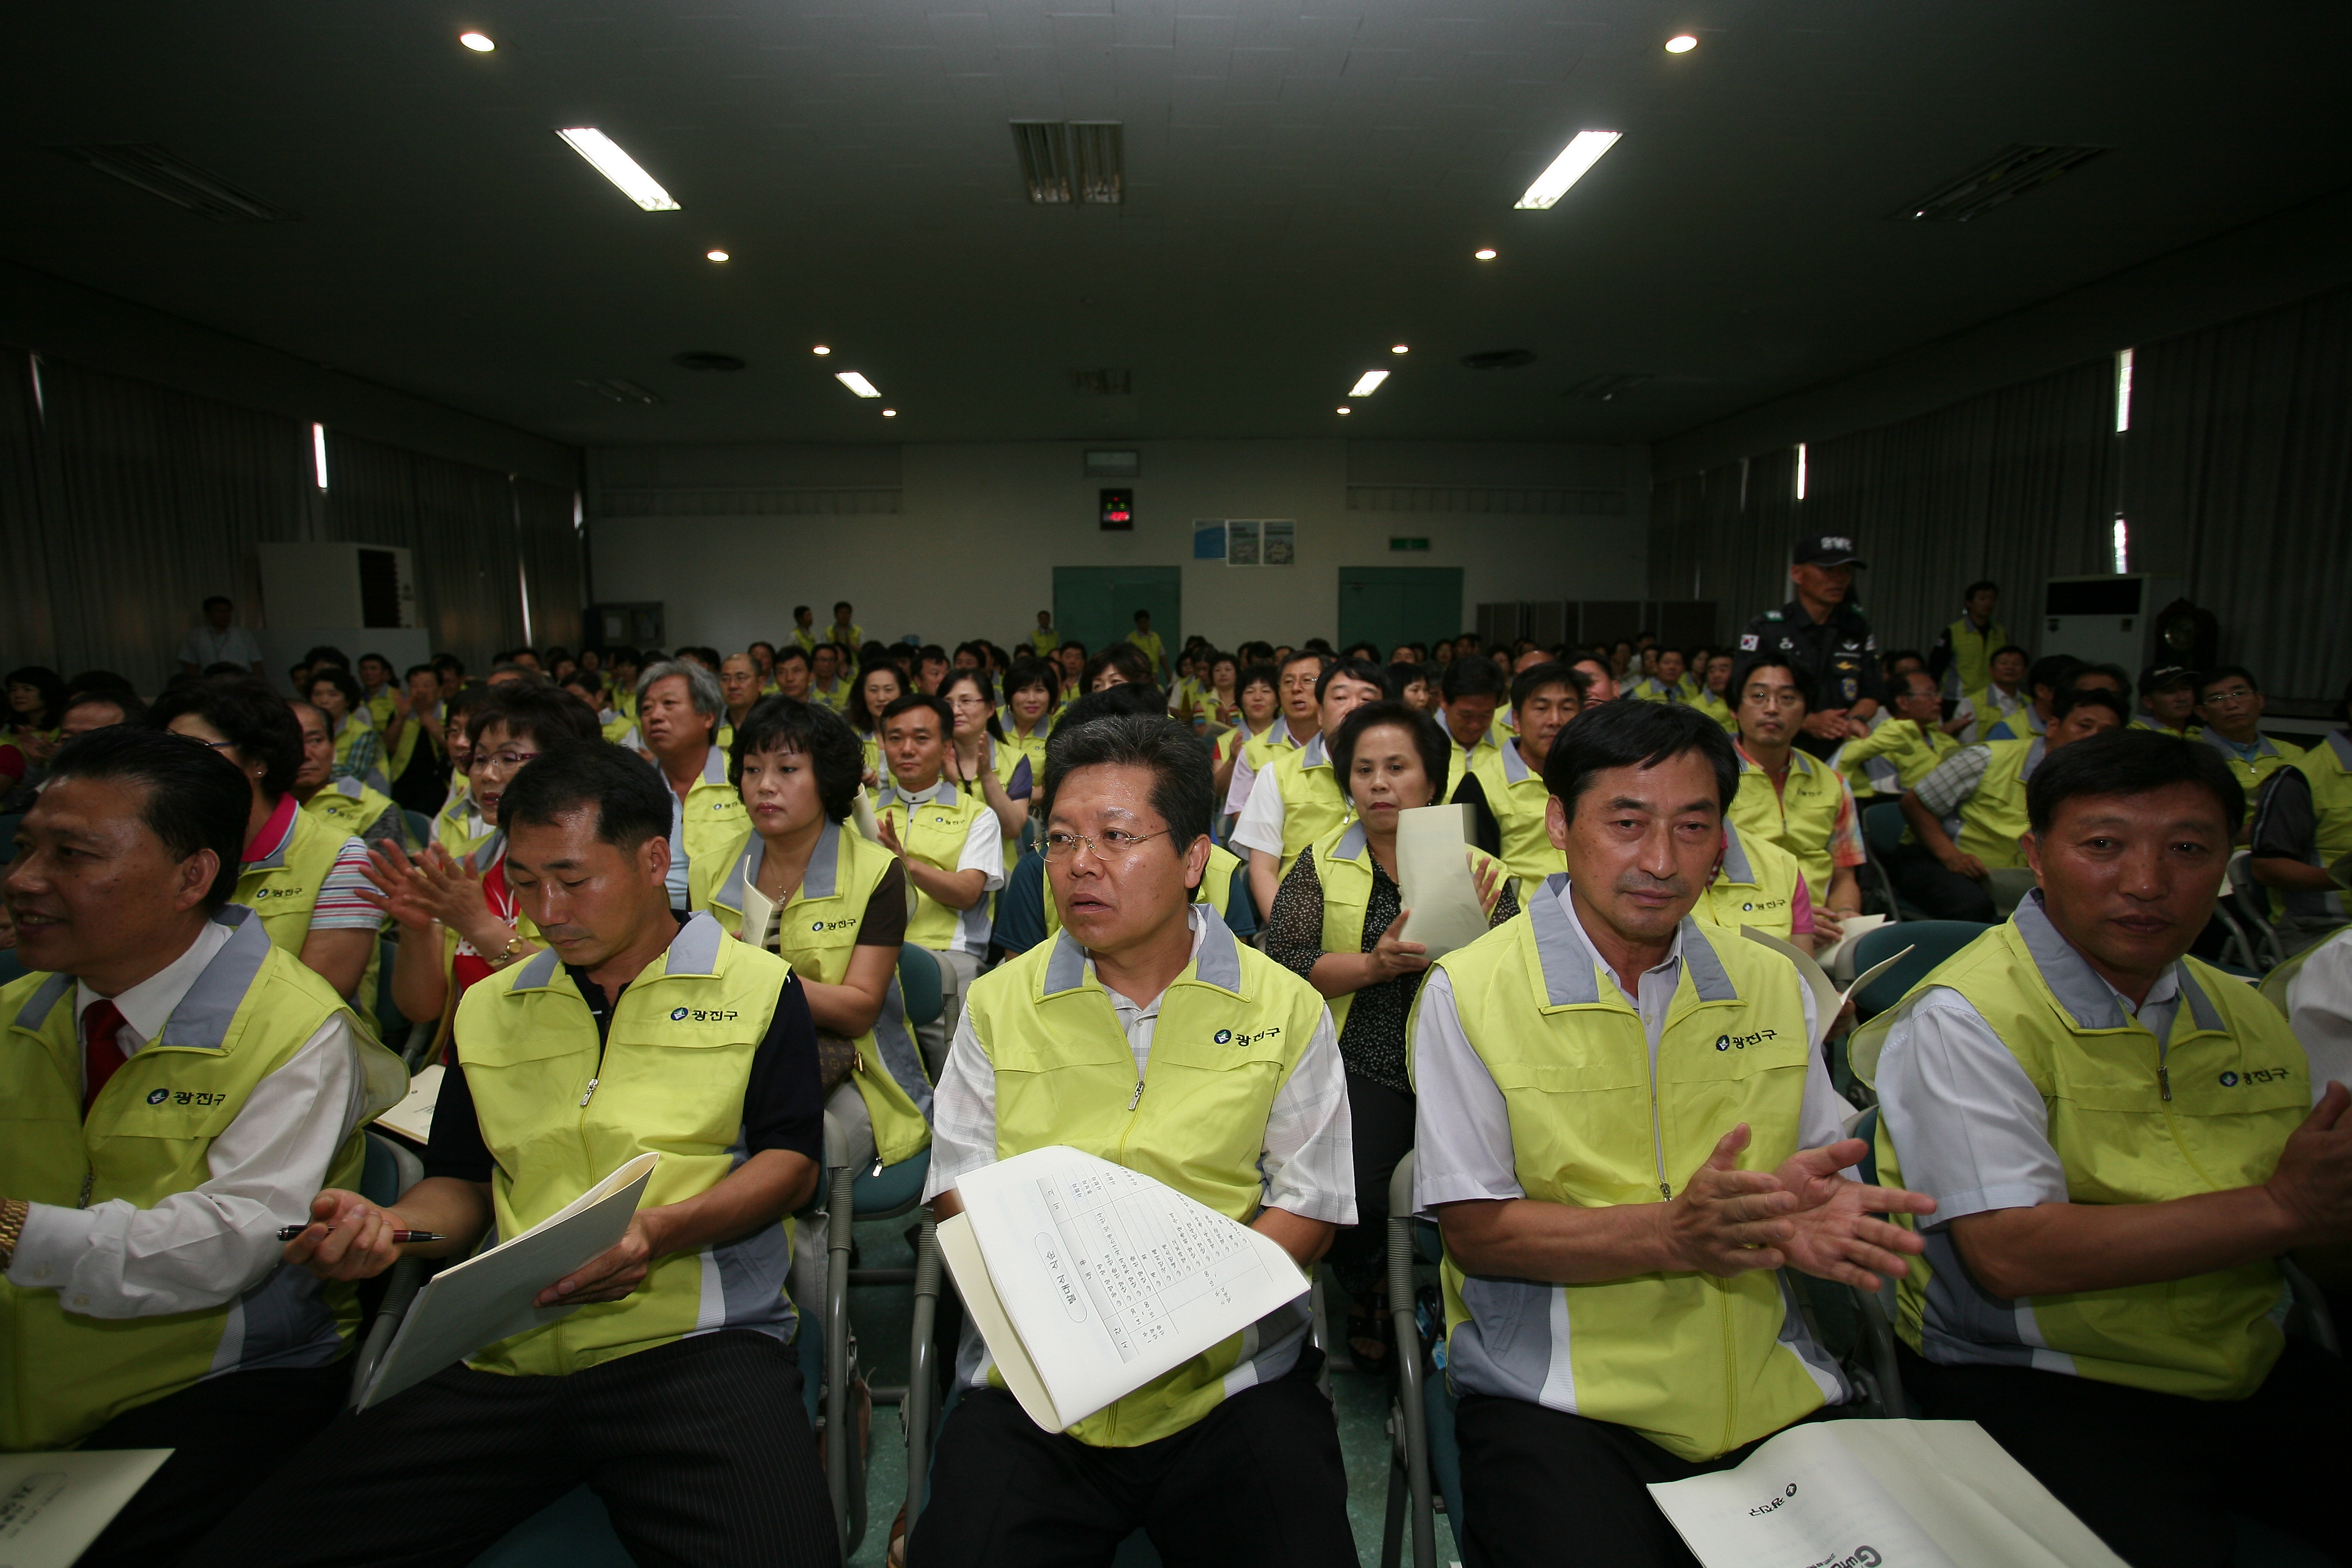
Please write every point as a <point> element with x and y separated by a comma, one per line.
<point>1433,857</point>
<point>488,1297</point>
<point>1906,1494</point>
<point>1837,959</point>
<point>413,1117</point>
<point>759,914</point>
<point>1828,1000</point>
<point>1088,1280</point>
<point>52,1506</point>
<point>861,815</point>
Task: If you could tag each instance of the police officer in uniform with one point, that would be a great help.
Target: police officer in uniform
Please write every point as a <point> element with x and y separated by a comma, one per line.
<point>1823,634</point>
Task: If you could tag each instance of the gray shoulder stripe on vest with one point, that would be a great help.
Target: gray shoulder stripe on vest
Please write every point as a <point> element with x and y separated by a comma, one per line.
<point>2200,1006</point>
<point>1065,969</point>
<point>539,971</point>
<point>1708,977</point>
<point>202,1018</point>
<point>714,766</point>
<point>823,877</point>
<point>2341,744</point>
<point>44,998</point>
<point>695,950</point>
<point>1515,766</point>
<point>1351,843</point>
<point>2078,988</point>
<point>895,1046</point>
<point>1221,957</point>
<point>1316,756</point>
<point>485,854</point>
<point>1736,867</point>
<point>2033,755</point>
<point>1568,979</point>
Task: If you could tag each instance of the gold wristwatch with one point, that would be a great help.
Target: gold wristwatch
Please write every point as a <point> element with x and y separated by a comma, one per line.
<point>12,1228</point>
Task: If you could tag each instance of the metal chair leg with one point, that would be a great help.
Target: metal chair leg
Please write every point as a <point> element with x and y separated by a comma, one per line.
<point>1409,1395</point>
<point>840,1414</point>
<point>919,1410</point>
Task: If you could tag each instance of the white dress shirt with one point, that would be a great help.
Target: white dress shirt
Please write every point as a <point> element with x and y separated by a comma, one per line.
<point>210,1244</point>
<point>2319,1008</point>
<point>1462,1139</point>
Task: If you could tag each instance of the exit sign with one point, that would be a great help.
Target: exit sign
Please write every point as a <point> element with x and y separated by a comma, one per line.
<point>1396,543</point>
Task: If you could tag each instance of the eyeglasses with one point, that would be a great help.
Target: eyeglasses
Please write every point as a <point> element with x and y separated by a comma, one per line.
<point>1776,697</point>
<point>510,761</point>
<point>1112,845</point>
<point>214,745</point>
<point>2235,695</point>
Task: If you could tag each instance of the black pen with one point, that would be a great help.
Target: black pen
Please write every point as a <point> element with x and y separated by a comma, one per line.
<point>400,1237</point>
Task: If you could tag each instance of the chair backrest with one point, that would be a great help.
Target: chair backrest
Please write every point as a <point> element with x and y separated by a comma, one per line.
<point>1882,827</point>
<point>390,1170</point>
<point>1867,1129</point>
<point>391,1024</point>
<point>420,829</point>
<point>1930,942</point>
<point>11,966</point>
<point>918,982</point>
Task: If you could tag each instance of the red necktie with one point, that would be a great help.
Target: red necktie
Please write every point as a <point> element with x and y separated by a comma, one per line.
<point>102,1052</point>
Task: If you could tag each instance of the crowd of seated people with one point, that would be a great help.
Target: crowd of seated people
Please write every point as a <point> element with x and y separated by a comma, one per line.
<point>2096,1148</point>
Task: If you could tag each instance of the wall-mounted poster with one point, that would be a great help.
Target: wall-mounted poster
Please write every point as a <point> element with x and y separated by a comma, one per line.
<point>1209,539</point>
<point>1240,543</point>
<point>1281,536</point>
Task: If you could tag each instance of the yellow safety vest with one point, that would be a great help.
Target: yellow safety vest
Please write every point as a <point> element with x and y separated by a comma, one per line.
<point>817,933</point>
<point>1313,801</point>
<point>1755,886</point>
<point>1696,1363</point>
<point>932,828</point>
<point>2023,723</point>
<point>675,1066</point>
<point>711,817</point>
<point>1911,750</point>
<point>2134,1120</point>
<point>349,807</point>
<point>1045,641</point>
<point>1993,822</point>
<point>2270,756</point>
<point>1973,650</point>
<point>1261,748</point>
<point>1343,865</point>
<point>1984,702</point>
<point>357,722</point>
<point>1233,1027</point>
<point>2329,770</point>
<point>1800,816</point>
<point>459,829</point>
<point>149,1135</point>
<point>1517,795</point>
<point>1717,708</point>
<point>282,886</point>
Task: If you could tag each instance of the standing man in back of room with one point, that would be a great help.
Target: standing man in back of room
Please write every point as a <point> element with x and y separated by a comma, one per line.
<point>845,634</point>
<point>1822,633</point>
<point>1961,660</point>
<point>1045,639</point>
<point>220,640</point>
<point>1147,642</point>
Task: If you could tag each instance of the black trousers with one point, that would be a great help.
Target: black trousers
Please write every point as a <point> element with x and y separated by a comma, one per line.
<point>699,1448</point>
<point>1380,1122</point>
<point>1256,1482</point>
<point>227,1434</point>
<point>2158,1475</point>
<point>1543,1488</point>
<point>1939,894</point>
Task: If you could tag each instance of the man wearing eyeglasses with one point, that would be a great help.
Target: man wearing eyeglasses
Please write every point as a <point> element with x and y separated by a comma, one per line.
<point>2230,703</point>
<point>1145,1033</point>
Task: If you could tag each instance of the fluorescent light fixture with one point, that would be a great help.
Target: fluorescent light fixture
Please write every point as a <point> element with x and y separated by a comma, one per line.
<point>1401,349</point>
<point>715,254</point>
<point>1801,471</point>
<point>2123,546</point>
<point>857,384</point>
<point>618,166</point>
<point>319,452</point>
<point>889,413</point>
<point>1343,410</point>
<point>820,348</point>
<point>1579,155</point>
<point>1368,384</point>
<point>480,43</point>
<point>2123,392</point>
<point>1485,254</point>
<point>1681,44</point>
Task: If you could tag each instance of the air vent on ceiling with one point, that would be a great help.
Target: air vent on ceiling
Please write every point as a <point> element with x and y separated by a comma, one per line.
<point>1499,359</point>
<point>2007,175</point>
<point>1602,388</point>
<point>703,359</point>
<point>162,174</point>
<point>1067,162</point>
<point>1102,382</point>
<point>619,390</point>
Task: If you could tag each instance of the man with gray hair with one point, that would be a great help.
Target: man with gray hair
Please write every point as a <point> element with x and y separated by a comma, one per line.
<point>678,708</point>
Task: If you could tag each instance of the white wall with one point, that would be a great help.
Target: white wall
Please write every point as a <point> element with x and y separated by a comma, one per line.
<point>980,528</point>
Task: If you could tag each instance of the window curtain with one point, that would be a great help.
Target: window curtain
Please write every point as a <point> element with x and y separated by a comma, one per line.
<point>548,541</point>
<point>2240,477</point>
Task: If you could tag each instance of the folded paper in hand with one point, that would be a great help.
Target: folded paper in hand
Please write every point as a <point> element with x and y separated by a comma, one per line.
<point>1088,1280</point>
<point>489,1297</point>
<point>413,1117</point>
<point>1433,880</point>
<point>52,1506</point>
<point>1828,1000</point>
<point>1917,1494</point>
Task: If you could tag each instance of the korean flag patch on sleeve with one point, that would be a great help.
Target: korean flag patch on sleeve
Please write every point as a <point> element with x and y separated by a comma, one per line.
<point>1748,642</point>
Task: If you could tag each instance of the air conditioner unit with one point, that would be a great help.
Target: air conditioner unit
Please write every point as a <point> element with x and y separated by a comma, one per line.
<point>344,585</point>
<point>2104,619</point>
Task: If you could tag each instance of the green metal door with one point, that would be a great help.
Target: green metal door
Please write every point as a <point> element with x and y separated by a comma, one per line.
<point>1096,605</point>
<point>1386,606</point>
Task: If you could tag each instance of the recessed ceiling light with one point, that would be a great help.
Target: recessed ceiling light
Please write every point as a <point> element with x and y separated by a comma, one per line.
<point>1483,255</point>
<point>605,155</point>
<point>857,384</point>
<point>820,348</point>
<point>716,255</point>
<point>889,413</point>
<point>1368,384</point>
<point>480,43</point>
<point>1401,349</point>
<point>1343,411</point>
<point>1583,152</point>
<point>1681,44</point>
